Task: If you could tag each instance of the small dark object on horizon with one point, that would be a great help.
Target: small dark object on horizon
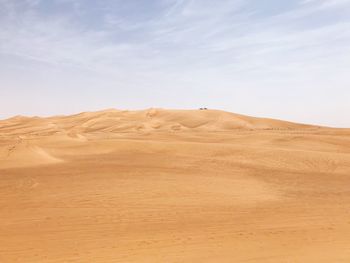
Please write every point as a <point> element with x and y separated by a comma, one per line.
<point>203,108</point>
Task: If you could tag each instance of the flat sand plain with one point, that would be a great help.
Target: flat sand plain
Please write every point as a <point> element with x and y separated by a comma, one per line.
<point>172,186</point>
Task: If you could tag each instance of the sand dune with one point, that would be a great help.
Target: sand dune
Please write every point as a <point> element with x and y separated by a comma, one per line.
<point>144,120</point>
<point>162,185</point>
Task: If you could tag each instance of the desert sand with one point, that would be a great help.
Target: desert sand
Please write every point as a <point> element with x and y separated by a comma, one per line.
<point>172,186</point>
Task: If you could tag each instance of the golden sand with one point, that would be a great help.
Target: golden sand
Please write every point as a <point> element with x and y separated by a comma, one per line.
<point>172,186</point>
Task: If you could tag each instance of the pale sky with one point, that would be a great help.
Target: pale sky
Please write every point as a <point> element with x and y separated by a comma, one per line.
<point>271,58</point>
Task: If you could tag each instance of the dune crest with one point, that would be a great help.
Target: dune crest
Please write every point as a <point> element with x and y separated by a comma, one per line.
<point>114,121</point>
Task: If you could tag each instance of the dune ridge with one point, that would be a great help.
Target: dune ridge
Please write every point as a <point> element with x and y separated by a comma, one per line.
<point>114,121</point>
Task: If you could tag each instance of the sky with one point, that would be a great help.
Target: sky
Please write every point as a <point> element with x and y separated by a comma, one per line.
<point>281,59</point>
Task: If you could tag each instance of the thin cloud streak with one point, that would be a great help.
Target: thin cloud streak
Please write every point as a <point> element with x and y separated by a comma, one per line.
<point>198,47</point>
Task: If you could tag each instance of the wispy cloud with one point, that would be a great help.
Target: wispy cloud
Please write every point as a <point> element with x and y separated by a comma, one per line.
<point>228,47</point>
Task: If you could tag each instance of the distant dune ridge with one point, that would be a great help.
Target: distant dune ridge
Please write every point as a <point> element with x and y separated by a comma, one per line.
<point>172,186</point>
<point>112,120</point>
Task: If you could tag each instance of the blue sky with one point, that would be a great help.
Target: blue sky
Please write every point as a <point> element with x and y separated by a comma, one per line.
<point>279,59</point>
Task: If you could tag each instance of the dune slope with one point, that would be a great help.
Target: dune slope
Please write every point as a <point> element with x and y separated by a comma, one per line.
<point>172,186</point>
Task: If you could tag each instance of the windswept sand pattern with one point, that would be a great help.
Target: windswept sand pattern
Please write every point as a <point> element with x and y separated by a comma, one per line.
<point>172,186</point>
<point>13,147</point>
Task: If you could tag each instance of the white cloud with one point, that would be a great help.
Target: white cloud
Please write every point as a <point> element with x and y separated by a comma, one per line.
<point>195,45</point>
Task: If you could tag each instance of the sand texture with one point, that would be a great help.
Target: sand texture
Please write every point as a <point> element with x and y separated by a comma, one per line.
<point>172,186</point>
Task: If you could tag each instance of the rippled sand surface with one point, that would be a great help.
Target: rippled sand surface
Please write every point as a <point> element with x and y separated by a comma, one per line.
<point>172,186</point>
